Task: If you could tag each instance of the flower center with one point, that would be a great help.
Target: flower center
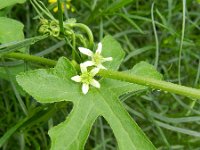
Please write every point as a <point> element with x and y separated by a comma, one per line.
<point>97,58</point>
<point>86,78</point>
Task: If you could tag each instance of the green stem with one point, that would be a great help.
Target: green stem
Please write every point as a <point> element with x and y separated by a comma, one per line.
<point>60,16</point>
<point>73,45</point>
<point>156,36</point>
<point>153,83</point>
<point>31,58</point>
<point>181,42</point>
<point>87,30</point>
<point>44,10</point>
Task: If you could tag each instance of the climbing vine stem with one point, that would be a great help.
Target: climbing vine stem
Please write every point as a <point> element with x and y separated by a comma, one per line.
<point>31,58</point>
<point>152,83</point>
<point>87,30</point>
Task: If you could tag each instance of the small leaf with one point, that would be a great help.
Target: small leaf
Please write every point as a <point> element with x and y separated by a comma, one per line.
<point>10,30</point>
<point>111,48</point>
<point>147,70</point>
<point>5,3</point>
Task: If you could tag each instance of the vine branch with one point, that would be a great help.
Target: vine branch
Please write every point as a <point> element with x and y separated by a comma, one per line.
<point>152,83</point>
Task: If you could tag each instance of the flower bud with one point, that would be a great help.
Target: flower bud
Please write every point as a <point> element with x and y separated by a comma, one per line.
<point>44,29</point>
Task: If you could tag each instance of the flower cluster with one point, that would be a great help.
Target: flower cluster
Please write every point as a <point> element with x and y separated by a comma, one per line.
<point>87,77</point>
<point>67,4</point>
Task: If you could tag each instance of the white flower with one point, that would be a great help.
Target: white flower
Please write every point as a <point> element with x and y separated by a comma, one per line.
<point>97,58</point>
<point>87,78</point>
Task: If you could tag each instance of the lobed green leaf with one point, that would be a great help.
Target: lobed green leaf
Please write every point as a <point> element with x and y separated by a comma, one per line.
<point>53,85</point>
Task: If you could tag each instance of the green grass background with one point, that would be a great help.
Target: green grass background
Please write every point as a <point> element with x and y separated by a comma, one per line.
<point>169,120</point>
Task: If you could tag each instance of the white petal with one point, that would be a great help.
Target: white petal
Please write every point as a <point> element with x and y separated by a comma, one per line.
<point>85,88</point>
<point>83,67</point>
<point>95,83</point>
<point>107,59</point>
<point>100,66</point>
<point>85,51</point>
<point>94,71</point>
<point>88,63</point>
<point>76,78</point>
<point>99,48</point>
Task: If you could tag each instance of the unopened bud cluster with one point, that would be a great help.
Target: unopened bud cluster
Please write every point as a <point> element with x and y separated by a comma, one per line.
<point>49,27</point>
<point>52,27</point>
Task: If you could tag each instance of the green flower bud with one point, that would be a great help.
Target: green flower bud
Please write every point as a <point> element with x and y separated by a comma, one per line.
<point>54,25</point>
<point>44,29</point>
<point>44,21</point>
<point>55,32</point>
<point>68,32</point>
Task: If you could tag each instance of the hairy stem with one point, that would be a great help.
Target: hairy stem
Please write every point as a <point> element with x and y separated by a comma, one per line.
<point>152,83</point>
